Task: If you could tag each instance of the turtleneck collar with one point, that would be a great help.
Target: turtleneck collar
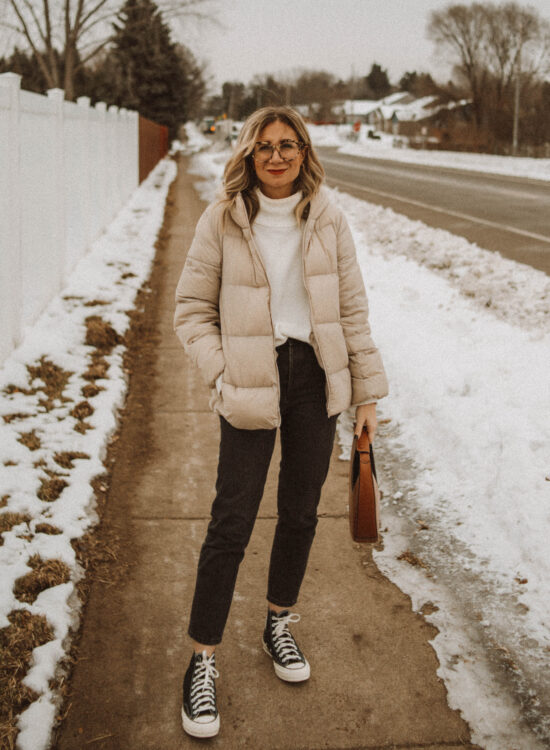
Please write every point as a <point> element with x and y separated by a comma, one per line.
<point>277,212</point>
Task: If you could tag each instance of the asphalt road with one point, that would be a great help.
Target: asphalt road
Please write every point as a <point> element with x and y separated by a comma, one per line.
<point>508,214</point>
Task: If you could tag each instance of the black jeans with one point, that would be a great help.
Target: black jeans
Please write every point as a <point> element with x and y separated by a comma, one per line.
<point>307,436</point>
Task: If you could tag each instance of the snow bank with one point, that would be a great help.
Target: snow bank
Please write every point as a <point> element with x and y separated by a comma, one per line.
<point>105,283</point>
<point>338,135</point>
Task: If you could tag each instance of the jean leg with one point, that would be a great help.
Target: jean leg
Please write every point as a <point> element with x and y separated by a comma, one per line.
<point>242,470</point>
<point>307,437</point>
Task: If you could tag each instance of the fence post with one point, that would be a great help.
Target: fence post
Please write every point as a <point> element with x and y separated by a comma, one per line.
<point>86,172</point>
<point>58,178</point>
<point>133,127</point>
<point>11,276</point>
<point>115,198</point>
<point>100,191</point>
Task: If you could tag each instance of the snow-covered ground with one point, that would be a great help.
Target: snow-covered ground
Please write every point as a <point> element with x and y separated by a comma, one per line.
<point>61,436</point>
<point>338,136</point>
<point>464,457</point>
<point>463,448</point>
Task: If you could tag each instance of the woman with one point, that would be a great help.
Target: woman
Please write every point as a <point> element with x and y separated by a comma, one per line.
<point>271,308</point>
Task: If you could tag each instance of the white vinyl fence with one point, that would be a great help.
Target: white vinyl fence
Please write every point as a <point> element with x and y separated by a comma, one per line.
<point>65,170</point>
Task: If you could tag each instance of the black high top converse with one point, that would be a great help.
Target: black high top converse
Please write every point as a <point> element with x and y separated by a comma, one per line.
<point>200,712</point>
<point>288,661</point>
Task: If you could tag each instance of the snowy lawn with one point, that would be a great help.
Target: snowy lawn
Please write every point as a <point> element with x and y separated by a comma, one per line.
<point>464,457</point>
<point>337,135</point>
<point>60,392</point>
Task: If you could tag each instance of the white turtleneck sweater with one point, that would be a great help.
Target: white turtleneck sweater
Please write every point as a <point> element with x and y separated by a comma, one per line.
<point>278,238</point>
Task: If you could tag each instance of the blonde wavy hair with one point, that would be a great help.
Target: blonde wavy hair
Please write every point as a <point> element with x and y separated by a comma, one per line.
<point>240,175</point>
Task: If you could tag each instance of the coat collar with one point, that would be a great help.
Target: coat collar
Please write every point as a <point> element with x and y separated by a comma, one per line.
<point>318,204</point>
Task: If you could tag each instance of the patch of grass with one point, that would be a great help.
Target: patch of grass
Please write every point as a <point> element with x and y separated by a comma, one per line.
<point>17,415</point>
<point>4,501</point>
<point>46,528</point>
<point>82,410</point>
<point>9,520</point>
<point>91,390</point>
<point>30,440</point>
<point>101,335</point>
<point>11,389</point>
<point>97,369</point>
<point>66,458</point>
<point>55,380</point>
<point>51,488</point>
<point>95,303</point>
<point>44,575</point>
<point>17,641</point>
<point>83,427</point>
<point>412,559</point>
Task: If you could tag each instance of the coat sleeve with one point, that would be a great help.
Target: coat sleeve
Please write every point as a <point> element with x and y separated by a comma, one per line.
<point>197,316</point>
<point>368,377</point>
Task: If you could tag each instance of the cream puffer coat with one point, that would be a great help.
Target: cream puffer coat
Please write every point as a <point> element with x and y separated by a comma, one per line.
<point>223,315</point>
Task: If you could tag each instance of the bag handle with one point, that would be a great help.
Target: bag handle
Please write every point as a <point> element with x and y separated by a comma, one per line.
<point>364,446</point>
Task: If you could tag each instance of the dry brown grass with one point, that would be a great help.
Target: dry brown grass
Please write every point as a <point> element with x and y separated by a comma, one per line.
<point>91,390</point>
<point>24,633</point>
<point>11,389</point>
<point>82,410</point>
<point>51,488</point>
<point>46,528</point>
<point>66,458</point>
<point>55,380</point>
<point>95,303</point>
<point>9,520</point>
<point>412,559</point>
<point>4,500</point>
<point>16,415</point>
<point>30,439</point>
<point>44,575</point>
<point>97,369</point>
<point>101,335</point>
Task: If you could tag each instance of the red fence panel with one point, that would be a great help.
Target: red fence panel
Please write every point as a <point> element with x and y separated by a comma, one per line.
<point>153,145</point>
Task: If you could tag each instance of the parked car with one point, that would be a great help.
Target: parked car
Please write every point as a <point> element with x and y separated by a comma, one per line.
<point>208,125</point>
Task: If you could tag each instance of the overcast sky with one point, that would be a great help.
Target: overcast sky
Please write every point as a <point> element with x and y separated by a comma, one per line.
<point>268,36</point>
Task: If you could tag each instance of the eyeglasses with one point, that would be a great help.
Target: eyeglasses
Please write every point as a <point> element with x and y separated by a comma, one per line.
<point>287,150</point>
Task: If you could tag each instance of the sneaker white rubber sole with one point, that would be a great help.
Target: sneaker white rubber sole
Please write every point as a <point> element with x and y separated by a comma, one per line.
<point>208,728</point>
<point>288,674</point>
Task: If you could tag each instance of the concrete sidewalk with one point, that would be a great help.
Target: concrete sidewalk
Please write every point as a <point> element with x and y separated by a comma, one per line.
<point>374,682</point>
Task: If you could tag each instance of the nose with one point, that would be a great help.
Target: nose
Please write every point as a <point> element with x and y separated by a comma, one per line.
<point>276,156</point>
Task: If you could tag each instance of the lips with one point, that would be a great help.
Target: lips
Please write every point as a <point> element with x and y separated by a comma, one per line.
<point>276,171</point>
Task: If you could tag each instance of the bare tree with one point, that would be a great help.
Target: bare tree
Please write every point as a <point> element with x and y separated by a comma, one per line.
<point>64,35</point>
<point>462,29</point>
<point>496,48</point>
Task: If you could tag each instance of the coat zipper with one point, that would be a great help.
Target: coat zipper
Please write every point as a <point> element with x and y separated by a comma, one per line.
<point>255,251</point>
<point>317,347</point>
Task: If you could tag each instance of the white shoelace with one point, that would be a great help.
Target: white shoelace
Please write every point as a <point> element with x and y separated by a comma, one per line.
<point>283,641</point>
<point>203,697</point>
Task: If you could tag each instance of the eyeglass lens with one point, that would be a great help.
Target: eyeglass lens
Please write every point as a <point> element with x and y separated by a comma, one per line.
<point>287,150</point>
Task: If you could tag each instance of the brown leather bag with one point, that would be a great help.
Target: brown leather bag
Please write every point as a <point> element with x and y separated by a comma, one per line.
<point>364,495</point>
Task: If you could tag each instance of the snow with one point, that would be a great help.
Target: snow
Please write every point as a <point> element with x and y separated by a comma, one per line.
<point>462,453</point>
<point>339,136</point>
<point>104,283</point>
<point>463,457</point>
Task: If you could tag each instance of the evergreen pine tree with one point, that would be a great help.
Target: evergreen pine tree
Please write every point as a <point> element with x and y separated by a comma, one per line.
<point>152,75</point>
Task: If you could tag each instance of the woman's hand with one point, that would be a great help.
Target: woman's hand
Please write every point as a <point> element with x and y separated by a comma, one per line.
<point>366,415</point>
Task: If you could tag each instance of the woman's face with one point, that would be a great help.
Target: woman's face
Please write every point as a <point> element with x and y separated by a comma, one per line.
<point>276,176</point>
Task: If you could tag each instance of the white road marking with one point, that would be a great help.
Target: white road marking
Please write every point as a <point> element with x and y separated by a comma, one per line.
<point>447,211</point>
